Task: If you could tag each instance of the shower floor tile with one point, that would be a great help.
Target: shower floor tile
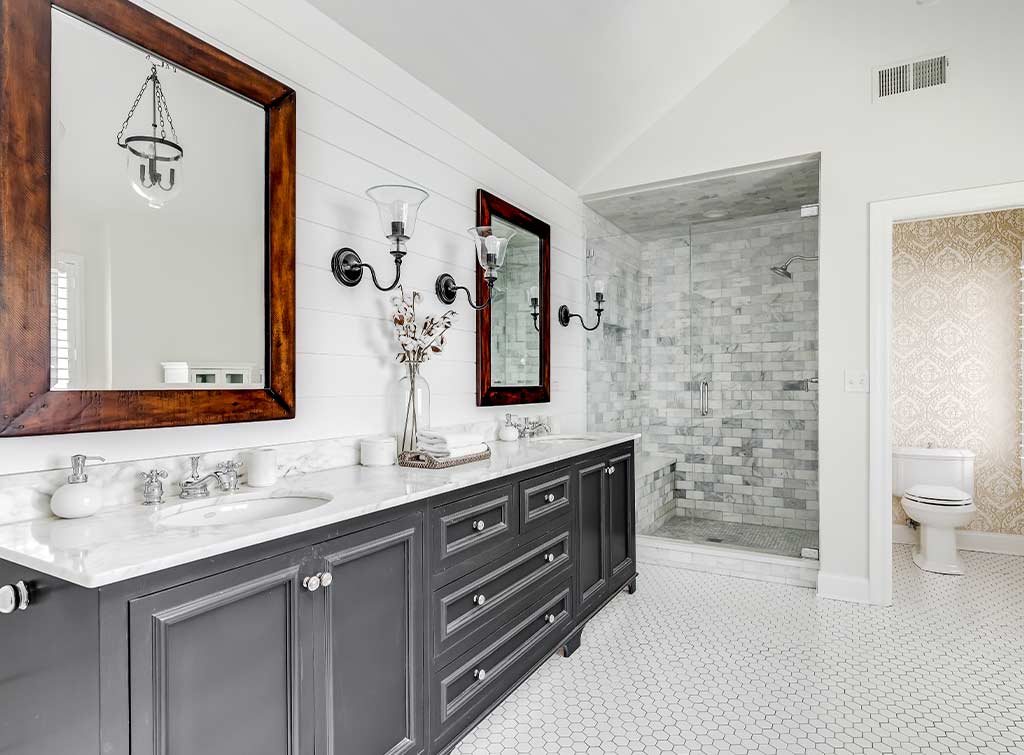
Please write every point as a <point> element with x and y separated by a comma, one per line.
<point>757,537</point>
<point>712,665</point>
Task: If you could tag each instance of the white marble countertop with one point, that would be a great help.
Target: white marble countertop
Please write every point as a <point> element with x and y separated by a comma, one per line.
<point>131,540</point>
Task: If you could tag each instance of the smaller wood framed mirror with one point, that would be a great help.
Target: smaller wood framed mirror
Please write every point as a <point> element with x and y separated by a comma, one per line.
<point>513,333</point>
<point>147,225</point>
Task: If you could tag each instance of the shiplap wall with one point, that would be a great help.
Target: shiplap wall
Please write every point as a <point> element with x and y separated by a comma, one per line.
<point>363,121</point>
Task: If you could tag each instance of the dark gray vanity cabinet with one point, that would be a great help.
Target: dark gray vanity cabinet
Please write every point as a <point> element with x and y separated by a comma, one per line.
<point>371,679</point>
<point>225,664</point>
<point>48,669</point>
<point>395,632</point>
<point>606,527</point>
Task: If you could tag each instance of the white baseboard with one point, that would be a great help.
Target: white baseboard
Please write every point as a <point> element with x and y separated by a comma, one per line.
<point>839,587</point>
<point>969,540</point>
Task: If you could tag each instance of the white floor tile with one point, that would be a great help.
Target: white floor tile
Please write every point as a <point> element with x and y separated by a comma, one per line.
<point>702,663</point>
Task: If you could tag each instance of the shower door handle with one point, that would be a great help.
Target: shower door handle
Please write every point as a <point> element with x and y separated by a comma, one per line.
<point>704,398</point>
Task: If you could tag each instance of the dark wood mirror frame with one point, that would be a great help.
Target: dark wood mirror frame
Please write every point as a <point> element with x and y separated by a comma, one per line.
<point>27,405</point>
<point>488,206</point>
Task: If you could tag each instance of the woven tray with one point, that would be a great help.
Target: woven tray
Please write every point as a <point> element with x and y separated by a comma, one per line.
<point>419,460</point>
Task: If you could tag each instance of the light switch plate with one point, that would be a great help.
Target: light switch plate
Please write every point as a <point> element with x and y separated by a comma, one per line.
<point>856,381</point>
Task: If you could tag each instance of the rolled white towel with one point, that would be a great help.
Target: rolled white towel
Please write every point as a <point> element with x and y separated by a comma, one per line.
<point>457,452</point>
<point>447,440</point>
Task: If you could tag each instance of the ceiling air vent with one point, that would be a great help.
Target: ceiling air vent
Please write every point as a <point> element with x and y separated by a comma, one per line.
<point>910,76</point>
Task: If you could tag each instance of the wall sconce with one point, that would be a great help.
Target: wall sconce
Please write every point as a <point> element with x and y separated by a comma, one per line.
<point>564,315</point>
<point>397,207</point>
<point>534,296</point>
<point>490,254</point>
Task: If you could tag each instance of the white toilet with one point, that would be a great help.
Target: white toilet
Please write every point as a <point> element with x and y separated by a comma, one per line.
<point>936,486</point>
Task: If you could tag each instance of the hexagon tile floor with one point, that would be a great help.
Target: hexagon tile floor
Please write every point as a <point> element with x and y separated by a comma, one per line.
<point>700,663</point>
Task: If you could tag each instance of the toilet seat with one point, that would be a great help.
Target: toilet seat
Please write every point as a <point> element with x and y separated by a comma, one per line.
<point>938,495</point>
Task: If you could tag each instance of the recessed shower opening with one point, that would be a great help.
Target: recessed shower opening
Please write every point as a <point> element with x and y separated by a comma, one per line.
<point>723,378</point>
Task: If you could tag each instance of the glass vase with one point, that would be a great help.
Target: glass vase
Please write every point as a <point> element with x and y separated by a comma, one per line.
<point>411,406</point>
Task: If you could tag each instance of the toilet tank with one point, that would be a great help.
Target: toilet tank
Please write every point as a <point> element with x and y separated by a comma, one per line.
<point>932,466</point>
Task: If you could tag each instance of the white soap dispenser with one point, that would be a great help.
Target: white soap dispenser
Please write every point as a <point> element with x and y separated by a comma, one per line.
<point>77,498</point>
<point>508,432</point>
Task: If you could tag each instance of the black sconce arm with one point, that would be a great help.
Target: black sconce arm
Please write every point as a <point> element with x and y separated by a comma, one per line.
<point>348,267</point>
<point>565,317</point>
<point>446,290</point>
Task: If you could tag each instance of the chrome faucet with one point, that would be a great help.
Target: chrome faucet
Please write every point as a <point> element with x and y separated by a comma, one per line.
<point>531,428</point>
<point>153,488</point>
<point>195,486</point>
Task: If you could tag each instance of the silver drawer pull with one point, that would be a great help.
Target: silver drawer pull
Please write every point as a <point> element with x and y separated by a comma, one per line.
<point>550,618</point>
<point>479,674</point>
<point>610,470</point>
<point>479,599</point>
<point>479,525</point>
<point>13,597</point>
<point>549,557</point>
<point>316,581</point>
<point>550,498</point>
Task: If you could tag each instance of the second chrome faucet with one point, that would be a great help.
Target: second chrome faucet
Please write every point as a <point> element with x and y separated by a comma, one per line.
<point>197,486</point>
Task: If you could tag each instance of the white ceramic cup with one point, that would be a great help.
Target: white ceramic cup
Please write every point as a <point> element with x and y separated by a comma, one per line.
<point>378,451</point>
<point>262,467</point>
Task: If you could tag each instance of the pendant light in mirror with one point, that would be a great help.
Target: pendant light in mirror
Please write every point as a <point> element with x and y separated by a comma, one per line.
<point>398,207</point>
<point>153,156</point>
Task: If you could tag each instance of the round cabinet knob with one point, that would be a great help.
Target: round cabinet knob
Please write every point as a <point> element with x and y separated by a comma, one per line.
<point>550,618</point>
<point>13,597</point>
<point>550,498</point>
<point>325,579</point>
<point>479,674</point>
<point>549,557</point>
<point>312,583</point>
<point>479,525</point>
<point>610,470</point>
<point>479,599</point>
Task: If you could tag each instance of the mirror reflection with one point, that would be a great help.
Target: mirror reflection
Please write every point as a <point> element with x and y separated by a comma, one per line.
<point>157,220</point>
<point>515,315</point>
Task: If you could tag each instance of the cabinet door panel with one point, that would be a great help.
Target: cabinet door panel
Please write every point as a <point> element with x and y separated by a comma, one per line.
<point>220,664</point>
<point>621,542</point>
<point>374,673</point>
<point>592,528</point>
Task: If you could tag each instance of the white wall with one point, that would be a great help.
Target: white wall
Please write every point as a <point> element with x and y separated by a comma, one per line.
<point>802,85</point>
<point>361,121</point>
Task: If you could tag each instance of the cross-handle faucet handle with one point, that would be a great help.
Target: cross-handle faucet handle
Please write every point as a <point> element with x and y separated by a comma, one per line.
<point>229,474</point>
<point>153,475</point>
<point>153,489</point>
<point>229,466</point>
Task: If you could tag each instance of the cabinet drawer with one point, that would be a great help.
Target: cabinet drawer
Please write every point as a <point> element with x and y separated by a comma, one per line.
<point>485,674</point>
<point>473,526</point>
<point>543,499</point>
<point>468,603</point>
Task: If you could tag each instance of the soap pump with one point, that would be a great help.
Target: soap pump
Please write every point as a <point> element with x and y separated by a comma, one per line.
<point>508,432</point>
<point>77,498</point>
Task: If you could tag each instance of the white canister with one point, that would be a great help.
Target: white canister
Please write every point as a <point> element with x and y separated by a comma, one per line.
<point>262,467</point>
<point>378,451</point>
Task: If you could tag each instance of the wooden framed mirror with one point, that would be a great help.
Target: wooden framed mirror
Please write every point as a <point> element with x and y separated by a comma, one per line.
<point>513,333</point>
<point>147,279</point>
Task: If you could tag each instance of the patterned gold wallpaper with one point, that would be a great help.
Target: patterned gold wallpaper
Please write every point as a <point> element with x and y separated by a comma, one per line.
<point>956,365</point>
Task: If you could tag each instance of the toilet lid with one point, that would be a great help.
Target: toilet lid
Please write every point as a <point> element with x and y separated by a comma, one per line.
<point>940,495</point>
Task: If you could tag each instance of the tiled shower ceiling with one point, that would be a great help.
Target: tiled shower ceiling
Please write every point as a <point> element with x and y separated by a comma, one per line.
<point>668,210</point>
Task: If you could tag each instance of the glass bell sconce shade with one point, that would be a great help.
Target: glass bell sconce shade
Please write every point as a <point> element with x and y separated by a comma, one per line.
<point>490,255</point>
<point>398,207</point>
<point>595,289</point>
<point>154,159</point>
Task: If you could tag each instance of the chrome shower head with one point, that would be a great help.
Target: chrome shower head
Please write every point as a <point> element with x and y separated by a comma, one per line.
<point>782,272</point>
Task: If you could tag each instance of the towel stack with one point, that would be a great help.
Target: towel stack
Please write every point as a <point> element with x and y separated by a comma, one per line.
<point>449,445</point>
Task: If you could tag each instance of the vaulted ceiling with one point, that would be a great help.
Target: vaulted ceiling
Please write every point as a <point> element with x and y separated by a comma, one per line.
<point>569,83</point>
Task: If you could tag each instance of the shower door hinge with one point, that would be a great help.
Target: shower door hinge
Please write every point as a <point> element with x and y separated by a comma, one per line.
<point>811,553</point>
<point>809,210</point>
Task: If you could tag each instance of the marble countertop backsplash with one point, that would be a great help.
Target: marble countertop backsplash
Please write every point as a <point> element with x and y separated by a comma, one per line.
<point>126,539</point>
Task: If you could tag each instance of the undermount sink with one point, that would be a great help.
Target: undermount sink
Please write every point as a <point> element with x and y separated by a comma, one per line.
<point>561,438</point>
<point>225,511</point>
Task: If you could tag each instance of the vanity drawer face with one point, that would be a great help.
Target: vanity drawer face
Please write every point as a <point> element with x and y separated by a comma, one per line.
<point>544,499</point>
<point>485,674</point>
<point>468,603</point>
<point>467,528</point>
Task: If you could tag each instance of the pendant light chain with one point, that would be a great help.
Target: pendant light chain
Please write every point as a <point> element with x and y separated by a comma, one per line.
<point>161,106</point>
